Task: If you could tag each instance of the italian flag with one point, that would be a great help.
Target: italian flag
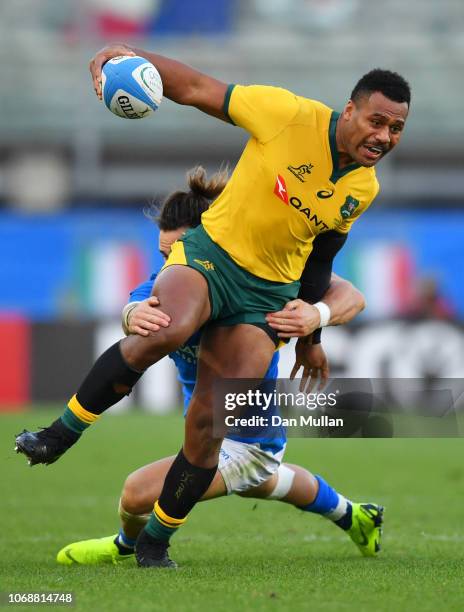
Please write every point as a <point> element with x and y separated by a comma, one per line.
<point>384,272</point>
<point>107,272</point>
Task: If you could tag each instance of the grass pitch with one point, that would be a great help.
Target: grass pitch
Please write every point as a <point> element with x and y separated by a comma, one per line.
<point>236,553</point>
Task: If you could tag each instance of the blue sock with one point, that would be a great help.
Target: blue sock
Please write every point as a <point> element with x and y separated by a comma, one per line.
<point>330,504</point>
<point>125,544</point>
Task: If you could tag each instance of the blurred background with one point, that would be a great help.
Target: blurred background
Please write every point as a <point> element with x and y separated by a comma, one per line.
<point>74,179</point>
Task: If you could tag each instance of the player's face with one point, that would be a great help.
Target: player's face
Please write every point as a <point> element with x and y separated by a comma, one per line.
<point>371,127</point>
<point>167,239</point>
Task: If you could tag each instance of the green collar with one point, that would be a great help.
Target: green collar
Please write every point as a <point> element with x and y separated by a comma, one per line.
<point>336,172</point>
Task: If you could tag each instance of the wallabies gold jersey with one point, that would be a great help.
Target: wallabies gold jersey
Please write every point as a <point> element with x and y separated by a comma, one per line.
<point>287,186</point>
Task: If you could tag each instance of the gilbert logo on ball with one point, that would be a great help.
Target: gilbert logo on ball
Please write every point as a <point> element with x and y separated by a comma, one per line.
<point>131,86</point>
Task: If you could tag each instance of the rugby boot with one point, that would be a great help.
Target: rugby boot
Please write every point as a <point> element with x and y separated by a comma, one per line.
<point>366,528</point>
<point>48,444</point>
<point>98,551</point>
<point>152,553</point>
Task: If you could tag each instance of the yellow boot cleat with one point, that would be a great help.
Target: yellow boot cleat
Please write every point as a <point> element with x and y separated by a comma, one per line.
<point>92,552</point>
<point>366,528</point>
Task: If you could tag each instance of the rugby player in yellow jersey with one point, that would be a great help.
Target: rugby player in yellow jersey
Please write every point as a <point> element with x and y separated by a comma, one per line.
<point>250,468</point>
<point>306,174</point>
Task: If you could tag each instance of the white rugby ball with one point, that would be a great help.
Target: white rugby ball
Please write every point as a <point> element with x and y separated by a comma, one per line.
<point>131,87</point>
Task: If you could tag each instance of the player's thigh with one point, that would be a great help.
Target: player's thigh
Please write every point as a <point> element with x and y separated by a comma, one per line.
<point>237,351</point>
<point>240,351</point>
<point>184,296</point>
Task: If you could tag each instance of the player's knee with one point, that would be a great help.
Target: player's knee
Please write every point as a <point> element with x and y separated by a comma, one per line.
<point>282,483</point>
<point>133,497</point>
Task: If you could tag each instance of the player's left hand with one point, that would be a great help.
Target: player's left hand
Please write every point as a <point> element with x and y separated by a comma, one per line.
<point>313,360</point>
<point>295,320</point>
<point>147,318</point>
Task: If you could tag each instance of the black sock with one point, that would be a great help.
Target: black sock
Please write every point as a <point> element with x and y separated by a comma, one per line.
<point>64,433</point>
<point>184,486</point>
<point>100,391</point>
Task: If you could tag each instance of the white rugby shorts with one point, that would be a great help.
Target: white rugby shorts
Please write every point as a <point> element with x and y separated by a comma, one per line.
<point>245,466</point>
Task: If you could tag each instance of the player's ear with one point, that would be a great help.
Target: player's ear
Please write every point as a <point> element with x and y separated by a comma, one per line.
<point>348,110</point>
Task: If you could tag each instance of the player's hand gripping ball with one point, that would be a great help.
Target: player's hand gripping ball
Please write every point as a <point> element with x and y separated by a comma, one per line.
<point>131,87</point>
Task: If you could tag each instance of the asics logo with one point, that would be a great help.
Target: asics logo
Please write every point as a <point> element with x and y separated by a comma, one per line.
<point>323,194</point>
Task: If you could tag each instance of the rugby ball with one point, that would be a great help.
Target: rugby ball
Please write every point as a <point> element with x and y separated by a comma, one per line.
<point>131,87</point>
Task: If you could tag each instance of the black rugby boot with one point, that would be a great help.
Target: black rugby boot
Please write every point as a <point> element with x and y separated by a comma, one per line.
<point>46,445</point>
<point>152,553</point>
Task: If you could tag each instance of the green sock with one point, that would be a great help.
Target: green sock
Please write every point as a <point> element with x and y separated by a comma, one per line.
<point>72,422</point>
<point>161,526</point>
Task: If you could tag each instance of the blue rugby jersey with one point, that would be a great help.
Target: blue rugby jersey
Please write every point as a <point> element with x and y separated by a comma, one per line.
<point>270,439</point>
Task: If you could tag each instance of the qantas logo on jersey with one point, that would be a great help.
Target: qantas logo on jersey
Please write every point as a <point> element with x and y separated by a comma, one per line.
<point>300,207</point>
<point>280,189</point>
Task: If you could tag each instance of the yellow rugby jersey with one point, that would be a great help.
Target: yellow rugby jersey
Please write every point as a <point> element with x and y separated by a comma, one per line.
<point>287,186</point>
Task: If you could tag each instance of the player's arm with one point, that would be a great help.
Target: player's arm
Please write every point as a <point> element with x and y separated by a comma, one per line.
<point>299,319</point>
<point>341,301</point>
<point>317,272</point>
<point>181,83</point>
<point>344,300</point>
<point>141,314</point>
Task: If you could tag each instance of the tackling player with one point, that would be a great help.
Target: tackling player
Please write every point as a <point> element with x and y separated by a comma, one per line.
<point>306,174</point>
<point>249,469</point>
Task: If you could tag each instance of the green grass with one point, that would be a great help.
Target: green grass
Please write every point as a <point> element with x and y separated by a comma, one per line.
<point>236,554</point>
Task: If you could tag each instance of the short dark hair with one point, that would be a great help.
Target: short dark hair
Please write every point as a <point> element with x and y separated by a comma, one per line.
<point>184,208</point>
<point>391,84</point>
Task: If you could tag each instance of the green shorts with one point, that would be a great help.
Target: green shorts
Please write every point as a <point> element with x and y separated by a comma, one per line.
<point>236,296</point>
